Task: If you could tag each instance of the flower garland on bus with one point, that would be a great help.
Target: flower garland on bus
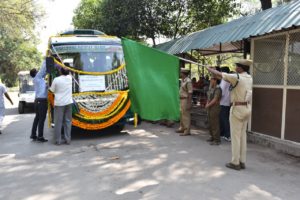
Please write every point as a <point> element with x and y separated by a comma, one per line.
<point>94,122</point>
<point>104,112</point>
<point>112,106</point>
<point>116,106</point>
<point>97,126</point>
<point>88,73</point>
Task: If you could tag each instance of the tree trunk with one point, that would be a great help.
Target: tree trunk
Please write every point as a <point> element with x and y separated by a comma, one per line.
<point>266,4</point>
<point>153,40</point>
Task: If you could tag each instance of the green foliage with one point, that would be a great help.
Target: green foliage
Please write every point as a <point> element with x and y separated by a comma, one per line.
<point>85,15</point>
<point>187,16</point>
<point>144,19</point>
<point>17,41</point>
<point>119,17</point>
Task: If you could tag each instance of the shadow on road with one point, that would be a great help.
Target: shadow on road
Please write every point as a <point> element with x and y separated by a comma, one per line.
<point>80,134</point>
<point>14,111</point>
<point>11,111</point>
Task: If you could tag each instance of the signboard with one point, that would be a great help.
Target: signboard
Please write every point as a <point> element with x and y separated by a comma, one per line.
<point>91,83</point>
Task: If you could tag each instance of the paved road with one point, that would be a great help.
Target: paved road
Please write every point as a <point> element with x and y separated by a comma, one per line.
<point>148,162</point>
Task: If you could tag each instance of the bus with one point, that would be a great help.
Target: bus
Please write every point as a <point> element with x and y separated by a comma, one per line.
<point>100,85</point>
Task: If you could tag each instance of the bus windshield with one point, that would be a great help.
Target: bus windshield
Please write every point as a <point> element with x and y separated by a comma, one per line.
<point>91,58</point>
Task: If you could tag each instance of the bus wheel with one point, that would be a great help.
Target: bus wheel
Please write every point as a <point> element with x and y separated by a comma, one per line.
<point>21,107</point>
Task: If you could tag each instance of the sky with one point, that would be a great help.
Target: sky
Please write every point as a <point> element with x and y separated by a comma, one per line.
<point>58,18</point>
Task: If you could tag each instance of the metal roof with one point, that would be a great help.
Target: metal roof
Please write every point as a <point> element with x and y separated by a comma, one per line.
<point>229,37</point>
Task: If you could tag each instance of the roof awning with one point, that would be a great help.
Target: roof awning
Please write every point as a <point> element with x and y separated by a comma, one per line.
<point>230,37</point>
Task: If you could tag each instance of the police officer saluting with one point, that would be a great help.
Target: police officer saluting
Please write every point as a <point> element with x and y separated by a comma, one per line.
<point>241,94</point>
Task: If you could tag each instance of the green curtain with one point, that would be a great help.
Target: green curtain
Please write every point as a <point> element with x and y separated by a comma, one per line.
<point>153,81</point>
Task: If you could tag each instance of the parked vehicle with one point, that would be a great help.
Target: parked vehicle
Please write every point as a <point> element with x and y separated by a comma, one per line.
<point>26,91</point>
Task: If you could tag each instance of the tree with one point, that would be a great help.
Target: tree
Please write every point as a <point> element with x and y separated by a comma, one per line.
<point>17,40</point>
<point>18,17</point>
<point>266,4</point>
<point>143,19</point>
<point>187,16</point>
<point>85,16</point>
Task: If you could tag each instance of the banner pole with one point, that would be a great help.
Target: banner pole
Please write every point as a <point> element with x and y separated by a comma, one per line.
<point>190,61</point>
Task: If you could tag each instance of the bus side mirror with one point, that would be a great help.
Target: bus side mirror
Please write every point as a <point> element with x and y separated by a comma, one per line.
<point>49,64</point>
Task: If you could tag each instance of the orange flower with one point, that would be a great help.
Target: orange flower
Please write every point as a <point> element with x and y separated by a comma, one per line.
<point>103,125</point>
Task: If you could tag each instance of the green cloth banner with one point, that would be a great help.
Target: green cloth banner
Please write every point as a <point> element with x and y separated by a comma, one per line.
<point>153,81</point>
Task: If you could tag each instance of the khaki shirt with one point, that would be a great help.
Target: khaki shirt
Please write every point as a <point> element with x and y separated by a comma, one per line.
<point>243,90</point>
<point>214,93</point>
<point>186,88</point>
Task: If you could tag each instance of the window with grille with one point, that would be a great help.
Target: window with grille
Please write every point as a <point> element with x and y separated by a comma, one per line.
<point>293,75</point>
<point>268,67</point>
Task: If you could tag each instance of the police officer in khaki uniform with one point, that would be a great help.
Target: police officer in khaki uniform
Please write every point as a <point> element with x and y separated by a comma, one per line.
<point>185,93</point>
<point>241,94</point>
<point>213,108</point>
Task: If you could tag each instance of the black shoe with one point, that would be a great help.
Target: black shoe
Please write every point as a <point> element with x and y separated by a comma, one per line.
<point>34,137</point>
<point>0,132</point>
<point>233,166</point>
<point>242,165</point>
<point>41,139</point>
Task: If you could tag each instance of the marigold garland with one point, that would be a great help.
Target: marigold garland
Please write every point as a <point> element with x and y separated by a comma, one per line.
<point>114,113</point>
<point>85,112</point>
<point>51,98</point>
<point>106,124</point>
<point>111,113</point>
<point>100,93</point>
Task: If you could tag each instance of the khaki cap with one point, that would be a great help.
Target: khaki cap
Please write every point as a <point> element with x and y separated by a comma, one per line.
<point>244,64</point>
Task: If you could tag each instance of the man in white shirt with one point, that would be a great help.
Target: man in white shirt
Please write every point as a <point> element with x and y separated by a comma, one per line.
<point>225,107</point>
<point>62,89</point>
<point>3,92</point>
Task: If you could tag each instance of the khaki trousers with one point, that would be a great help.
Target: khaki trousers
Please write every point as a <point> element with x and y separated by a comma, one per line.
<point>185,116</point>
<point>214,123</point>
<point>238,139</point>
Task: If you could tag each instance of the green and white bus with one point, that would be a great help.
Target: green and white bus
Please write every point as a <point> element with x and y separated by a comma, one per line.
<point>100,86</point>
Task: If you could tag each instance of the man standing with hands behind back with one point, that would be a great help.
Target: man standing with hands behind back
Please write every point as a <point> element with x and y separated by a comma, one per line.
<point>185,93</point>
<point>241,94</point>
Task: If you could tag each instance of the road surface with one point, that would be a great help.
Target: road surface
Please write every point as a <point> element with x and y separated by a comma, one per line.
<point>148,162</point>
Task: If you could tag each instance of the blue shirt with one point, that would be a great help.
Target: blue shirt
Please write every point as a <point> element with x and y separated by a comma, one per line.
<point>40,85</point>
